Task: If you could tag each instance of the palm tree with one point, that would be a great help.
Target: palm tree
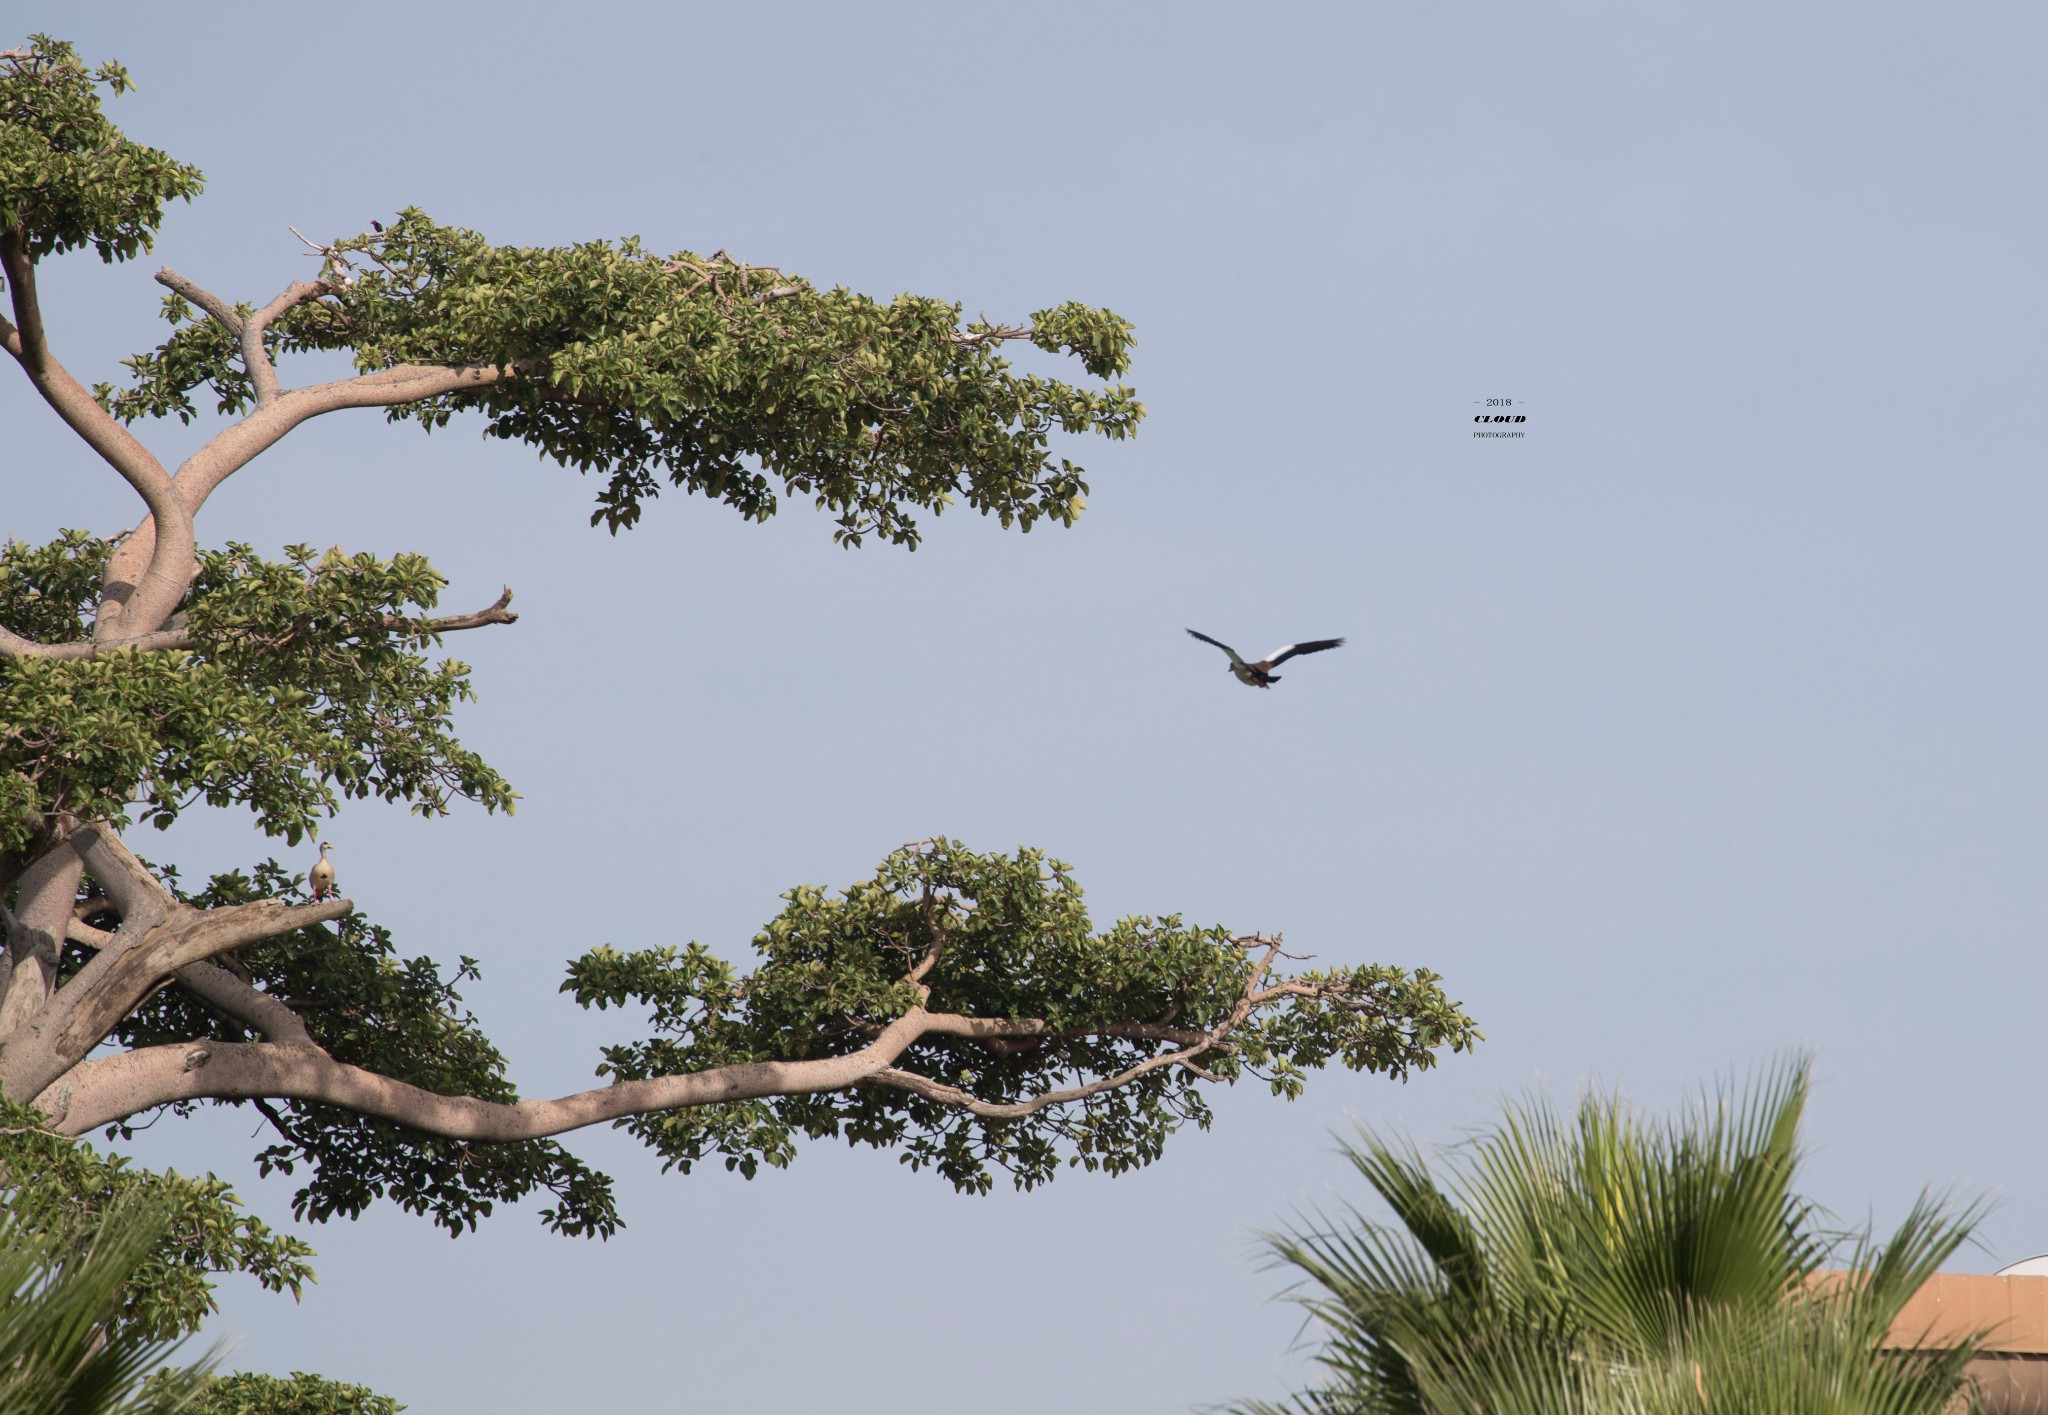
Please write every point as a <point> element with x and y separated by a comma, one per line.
<point>62,1351</point>
<point>1609,1262</point>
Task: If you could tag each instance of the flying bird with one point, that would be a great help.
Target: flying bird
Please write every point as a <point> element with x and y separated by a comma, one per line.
<point>1260,674</point>
<point>321,876</point>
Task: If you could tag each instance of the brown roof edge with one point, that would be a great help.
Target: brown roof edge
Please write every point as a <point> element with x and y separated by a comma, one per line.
<point>1952,1306</point>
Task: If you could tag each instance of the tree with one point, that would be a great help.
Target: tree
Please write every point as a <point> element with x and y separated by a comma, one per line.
<point>251,1393</point>
<point>63,1343</point>
<point>52,1184</point>
<point>1610,1262</point>
<point>104,1272</point>
<point>58,1199</point>
<point>958,1007</point>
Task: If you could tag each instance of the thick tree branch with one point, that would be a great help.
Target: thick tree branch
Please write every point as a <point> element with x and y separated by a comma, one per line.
<point>14,646</point>
<point>87,1009</point>
<point>235,447</point>
<point>221,990</point>
<point>107,1089</point>
<point>138,896</point>
<point>158,937</point>
<point>158,576</point>
<point>42,911</point>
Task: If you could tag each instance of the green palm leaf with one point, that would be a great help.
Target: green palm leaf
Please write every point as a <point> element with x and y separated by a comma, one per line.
<point>1610,1261</point>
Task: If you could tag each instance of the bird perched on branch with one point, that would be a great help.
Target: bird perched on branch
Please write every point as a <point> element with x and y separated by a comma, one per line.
<point>1260,674</point>
<point>321,876</point>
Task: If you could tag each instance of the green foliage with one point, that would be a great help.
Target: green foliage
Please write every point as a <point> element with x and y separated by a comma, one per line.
<point>1012,941</point>
<point>398,1017</point>
<point>68,177</point>
<point>1608,1262</point>
<point>301,1394</point>
<point>730,380</point>
<point>63,1347</point>
<point>298,692</point>
<point>53,1185</point>
<point>289,686</point>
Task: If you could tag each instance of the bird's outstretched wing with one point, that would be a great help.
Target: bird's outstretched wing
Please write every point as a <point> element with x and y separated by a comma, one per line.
<point>1219,644</point>
<point>1286,651</point>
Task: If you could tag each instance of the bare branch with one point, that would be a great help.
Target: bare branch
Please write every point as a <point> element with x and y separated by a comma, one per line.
<point>988,1110</point>
<point>235,447</point>
<point>1191,1044</point>
<point>158,937</point>
<point>224,314</point>
<point>221,990</point>
<point>79,931</point>
<point>929,905</point>
<point>107,1089</point>
<point>42,906</point>
<point>995,335</point>
<point>248,331</point>
<point>290,298</point>
<point>138,896</point>
<point>162,572</point>
<point>497,612</point>
<point>14,646</point>
<point>334,265</point>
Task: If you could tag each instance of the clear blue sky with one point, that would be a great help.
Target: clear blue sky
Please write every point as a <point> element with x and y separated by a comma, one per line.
<point>1701,725</point>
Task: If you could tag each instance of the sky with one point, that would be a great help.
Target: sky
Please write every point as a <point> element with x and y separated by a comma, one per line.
<point>1698,728</point>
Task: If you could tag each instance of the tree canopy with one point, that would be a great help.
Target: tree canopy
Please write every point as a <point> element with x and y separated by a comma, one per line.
<point>959,1008</point>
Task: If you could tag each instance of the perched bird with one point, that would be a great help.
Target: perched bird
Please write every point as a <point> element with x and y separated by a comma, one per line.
<point>321,876</point>
<point>1260,674</point>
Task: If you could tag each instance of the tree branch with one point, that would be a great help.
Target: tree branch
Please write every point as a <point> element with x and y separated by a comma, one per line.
<point>248,330</point>
<point>1018,1110</point>
<point>235,447</point>
<point>42,909</point>
<point>221,990</point>
<point>171,559</point>
<point>497,612</point>
<point>995,335</point>
<point>1191,1044</point>
<point>108,1089</point>
<point>88,1008</point>
<point>223,313</point>
<point>13,645</point>
<point>158,937</point>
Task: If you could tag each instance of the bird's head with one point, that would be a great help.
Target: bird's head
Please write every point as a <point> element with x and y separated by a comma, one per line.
<point>325,846</point>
